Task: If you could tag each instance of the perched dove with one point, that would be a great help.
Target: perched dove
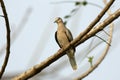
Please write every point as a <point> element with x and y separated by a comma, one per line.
<point>63,37</point>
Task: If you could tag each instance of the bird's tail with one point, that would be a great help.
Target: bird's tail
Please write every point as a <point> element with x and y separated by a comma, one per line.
<point>72,60</point>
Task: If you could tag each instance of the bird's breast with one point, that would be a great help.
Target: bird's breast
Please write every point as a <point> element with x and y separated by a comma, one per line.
<point>62,38</point>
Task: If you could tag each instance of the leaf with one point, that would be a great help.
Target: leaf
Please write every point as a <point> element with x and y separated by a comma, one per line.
<point>84,3</point>
<point>77,3</point>
<point>65,22</point>
<point>67,16</point>
<point>73,10</point>
<point>90,60</point>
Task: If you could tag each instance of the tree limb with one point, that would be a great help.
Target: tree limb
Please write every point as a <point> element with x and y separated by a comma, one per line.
<point>101,26</point>
<point>103,54</point>
<point>8,39</point>
<point>97,19</point>
<point>39,67</point>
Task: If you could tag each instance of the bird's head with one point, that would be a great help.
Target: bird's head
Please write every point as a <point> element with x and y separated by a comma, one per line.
<point>57,20</point>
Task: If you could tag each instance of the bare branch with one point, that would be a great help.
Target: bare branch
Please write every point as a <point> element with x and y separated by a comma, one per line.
<point>8,39</point>
<point>106,22</point>
<point>103,54</point>
<point>19,29</point>
<point>97,19</point>
<point>39,67</point>
<point>79,3</point>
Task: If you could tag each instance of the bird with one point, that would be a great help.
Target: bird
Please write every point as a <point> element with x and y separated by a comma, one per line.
<point>63,37</point>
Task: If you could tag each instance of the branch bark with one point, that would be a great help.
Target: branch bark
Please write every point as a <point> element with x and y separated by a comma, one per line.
<point>39,67</point>
<point>8,39</point>
<point>111,26</point>
<point>100,27</point>
<point>97,19</point>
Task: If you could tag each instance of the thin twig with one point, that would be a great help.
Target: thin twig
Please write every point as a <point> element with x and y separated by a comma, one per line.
<point>90,3</point>
<point>19,29</point>
<point>39,67</point>
<point>8,39</point>
<point>99,28</point>
<point>103,40</point>
<point>105,32</point>
<point>1,16</point>
<point>103,54</point>
<point>97,19</point>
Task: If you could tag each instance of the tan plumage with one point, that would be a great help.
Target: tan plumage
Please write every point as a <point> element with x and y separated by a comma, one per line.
<point>63,37</point>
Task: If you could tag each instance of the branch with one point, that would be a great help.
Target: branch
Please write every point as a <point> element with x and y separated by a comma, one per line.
<point>18,30</point>
<point>103,54</point>
<point>8,39</point>
<point>100,27</point>
<point>39,67</point>
<point>97,19</point>
<point>78,3</point>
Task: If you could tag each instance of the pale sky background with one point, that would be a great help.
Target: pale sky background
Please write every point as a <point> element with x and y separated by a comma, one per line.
<point>35,42</point>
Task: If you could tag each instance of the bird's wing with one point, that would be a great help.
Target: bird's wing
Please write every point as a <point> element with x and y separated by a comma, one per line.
<point>69,36</point>
<point>57,39</point>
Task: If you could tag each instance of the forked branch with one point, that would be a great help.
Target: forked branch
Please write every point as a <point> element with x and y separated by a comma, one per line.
<point>85,35</point>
